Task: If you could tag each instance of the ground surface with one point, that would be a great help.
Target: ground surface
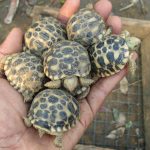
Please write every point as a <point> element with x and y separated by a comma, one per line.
<point>23,21</point>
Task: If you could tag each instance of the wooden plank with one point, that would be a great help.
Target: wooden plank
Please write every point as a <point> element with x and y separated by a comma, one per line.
<point>145,52</point>
<point>139,28</point>
<point>89,147</point>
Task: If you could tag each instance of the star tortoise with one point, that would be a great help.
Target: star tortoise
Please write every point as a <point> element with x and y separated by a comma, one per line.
<point>25,73</point>
<point>86,27</point>
<point>111,54</point>
<point>67,64</point>
<point>53,111</point>
<point>43,33</point>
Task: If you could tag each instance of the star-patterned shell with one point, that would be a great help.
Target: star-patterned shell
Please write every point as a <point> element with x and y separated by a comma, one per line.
<point>86,27</point>
<point>42,34</point>
<point>67,58</point>
<point>109,56</point>
<point>54,111</point>
<point>25,73</point>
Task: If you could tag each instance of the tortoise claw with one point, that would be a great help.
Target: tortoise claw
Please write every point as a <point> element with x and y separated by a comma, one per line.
<point>53,84</point>
<point>27,122</point>
<point>86,82</point>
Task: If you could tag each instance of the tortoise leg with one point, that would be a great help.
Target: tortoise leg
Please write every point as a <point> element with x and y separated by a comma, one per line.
<point>58,140</point>
<point>27,122</point>
<point>71,83</point>
<point>125,34</point>
<point>132,65</point>
<point>2,64</point>
<point>108,31</point>
<point>41,132</point>
<point>86,82</point>
<point>84,94</point>
<point>53,84</point>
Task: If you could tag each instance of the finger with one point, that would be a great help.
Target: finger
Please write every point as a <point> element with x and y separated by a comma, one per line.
<point>13,42</point>
<point>115,23</point>
<point>68,9</point>
<point>104,8</point>
<point>102,89</point>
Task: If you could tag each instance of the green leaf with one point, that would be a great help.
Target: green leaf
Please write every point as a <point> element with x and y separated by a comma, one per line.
<point>128,124</point>
<point>115,114</point>
<point>62,1</point>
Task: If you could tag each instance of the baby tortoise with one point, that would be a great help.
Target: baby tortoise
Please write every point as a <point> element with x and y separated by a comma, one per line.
<point>68,63</point>
<point>111,55</point>
<point>43,33</point>
<point>25,73</point>
<point>53,111</point>
<point>86,27</point>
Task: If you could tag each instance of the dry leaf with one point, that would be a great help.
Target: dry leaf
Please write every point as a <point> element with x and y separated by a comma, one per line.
<point>117,133</point>
<point>132,64</point>
<point>124,85</point>
<point>120,118</point>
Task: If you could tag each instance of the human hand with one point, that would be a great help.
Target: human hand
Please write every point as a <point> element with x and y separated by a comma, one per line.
<point>14,134</point>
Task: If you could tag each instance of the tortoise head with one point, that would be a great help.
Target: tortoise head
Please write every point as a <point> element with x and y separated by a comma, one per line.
<point>71,83</point>
<point>133,43</point>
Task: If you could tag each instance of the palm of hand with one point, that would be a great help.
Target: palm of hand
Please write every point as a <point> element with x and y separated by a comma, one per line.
<point>12,110</point>
<point>14,134</point>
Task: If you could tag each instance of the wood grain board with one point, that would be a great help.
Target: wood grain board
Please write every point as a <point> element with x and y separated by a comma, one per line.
<point>145,51</point>
<point>141,29</point>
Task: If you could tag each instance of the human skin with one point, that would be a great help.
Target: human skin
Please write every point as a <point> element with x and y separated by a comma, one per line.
<point>14,135</point>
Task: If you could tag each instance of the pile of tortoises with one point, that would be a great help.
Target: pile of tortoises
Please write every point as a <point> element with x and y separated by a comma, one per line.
<point>59,64</point>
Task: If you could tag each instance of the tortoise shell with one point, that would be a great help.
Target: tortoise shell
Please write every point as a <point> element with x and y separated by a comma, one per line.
<point>54,111</point>
<point>67,59</point>
<point>86,27</point>
<point>43,33</point>
<point>109,56</point>
<point>25,73</point>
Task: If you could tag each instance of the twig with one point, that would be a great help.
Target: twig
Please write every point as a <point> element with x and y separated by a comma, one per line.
<point>128,85</point>
<point>133,3</point>
<point>143,7</point>
<point>12,10</point>
<point>39,10</point>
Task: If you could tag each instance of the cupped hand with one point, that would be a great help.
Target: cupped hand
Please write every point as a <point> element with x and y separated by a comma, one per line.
<point>14,134</point>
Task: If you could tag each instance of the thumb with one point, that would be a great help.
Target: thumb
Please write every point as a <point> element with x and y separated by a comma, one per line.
<point>12,43</point>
